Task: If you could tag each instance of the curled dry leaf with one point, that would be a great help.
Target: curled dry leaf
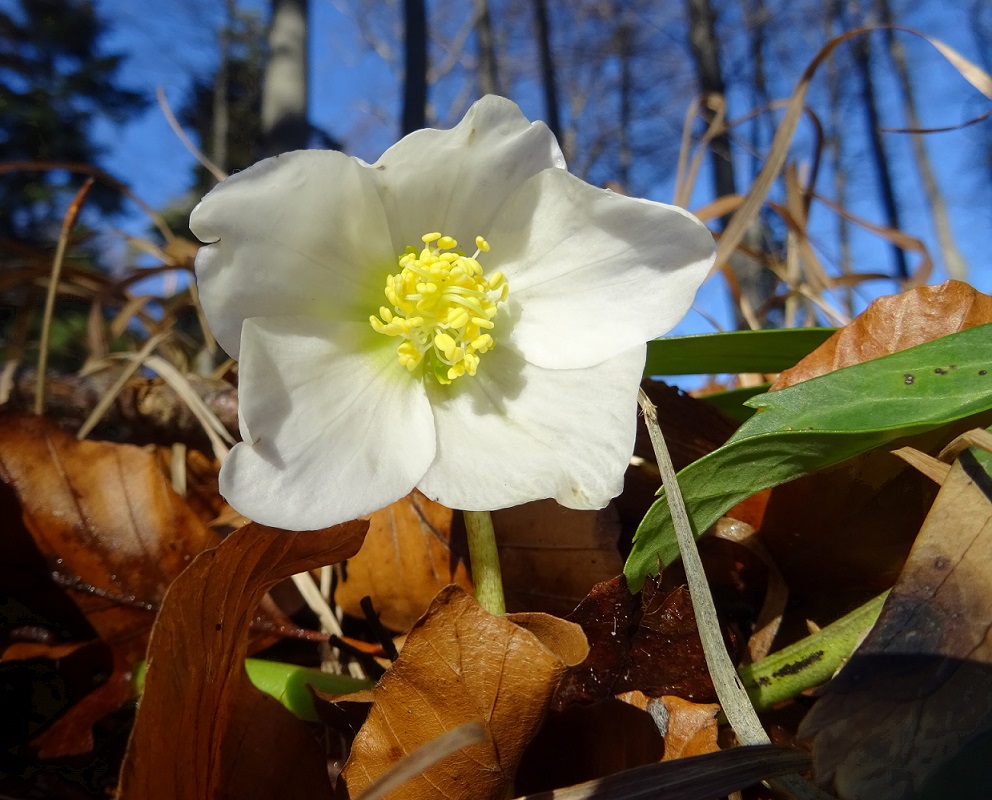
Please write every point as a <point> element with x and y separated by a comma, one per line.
<point>690,727</point>
<point>461,664</point>
<point>202,729</point>
<point>646,642</point>
<point>910,715</point>
<point>895,323</point>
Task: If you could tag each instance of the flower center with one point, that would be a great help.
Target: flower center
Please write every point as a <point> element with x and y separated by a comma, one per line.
<point>442,307</point>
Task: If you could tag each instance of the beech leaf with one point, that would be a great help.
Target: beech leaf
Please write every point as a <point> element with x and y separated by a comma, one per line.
<point>202,729</point>
<point>106,521</point>
<point>405,561</point>
<point>894,323</point>
<point>460,664</point>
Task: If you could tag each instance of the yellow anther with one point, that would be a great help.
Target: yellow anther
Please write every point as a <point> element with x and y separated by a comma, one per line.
<point>441,304</point>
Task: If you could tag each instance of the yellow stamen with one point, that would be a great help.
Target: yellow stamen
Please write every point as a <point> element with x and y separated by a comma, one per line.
<point>442,307</point>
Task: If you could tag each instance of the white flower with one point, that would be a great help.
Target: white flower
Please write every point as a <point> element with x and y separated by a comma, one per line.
<point>342,414</point>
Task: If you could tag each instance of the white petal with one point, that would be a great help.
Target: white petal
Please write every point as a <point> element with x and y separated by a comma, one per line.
<point>592,273</point>
<point>455,181</point>
<point>300,234</point>
<point>516,432</point>
<point>335,430</point>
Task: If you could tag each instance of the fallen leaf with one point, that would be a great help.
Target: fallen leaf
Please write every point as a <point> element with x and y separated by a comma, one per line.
<point>835,555</point>
<point>893,323</point>
<point>40,681</point>
<point>551,556</point>
<point>690,728</point>
<point>902,718</point>
<point>405,561</point>
<point>104,520</point>
<point>460,664</point>
<point>224,737</point>
<point>96,524</point>
<point>646,642</point>
<point>72,733</point>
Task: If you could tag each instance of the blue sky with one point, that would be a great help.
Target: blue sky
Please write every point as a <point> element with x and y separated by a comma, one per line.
<point>168,40</point>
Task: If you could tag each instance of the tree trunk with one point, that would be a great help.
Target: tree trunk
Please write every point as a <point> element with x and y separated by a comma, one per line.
<point>548,78</point>
<point>285,125</point>
<point>953,261</point>
<point>415,66</point>
<point>221,109</point>
<point>624,35</point>
<point>488,67</point>
<point>705,50</point>
<point>861,50</point>
<point>835,150</point>
<point>756,17</point>
<point>755,282</point>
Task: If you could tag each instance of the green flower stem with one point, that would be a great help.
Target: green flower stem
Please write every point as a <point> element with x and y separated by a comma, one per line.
<point>808,662</point>
<point>484,556</point>
<point>287,683</point>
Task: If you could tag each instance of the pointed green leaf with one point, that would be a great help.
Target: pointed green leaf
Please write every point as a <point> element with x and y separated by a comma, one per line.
<point>822,422</point>
<point>733,352</point>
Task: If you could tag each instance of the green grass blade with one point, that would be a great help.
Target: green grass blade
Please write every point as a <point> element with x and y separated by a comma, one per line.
<point>733,352</point>
<point>822,422</point>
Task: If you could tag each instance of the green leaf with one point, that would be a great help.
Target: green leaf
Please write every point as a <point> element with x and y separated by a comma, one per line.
<point>822,422</point>
<point>737,351</point>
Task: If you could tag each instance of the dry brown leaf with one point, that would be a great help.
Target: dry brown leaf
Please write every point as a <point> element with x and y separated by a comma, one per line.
<point>99,524</point>
<point>691,727</point>
<point>105,520</point>
<point>551,556</point>
<point>202,730</point>
<point>835,555</point>
<point>895,323</point>
<point>646,642</point>
<point>405,561</point>
<point>918,692</point>
<point>461,664</point>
